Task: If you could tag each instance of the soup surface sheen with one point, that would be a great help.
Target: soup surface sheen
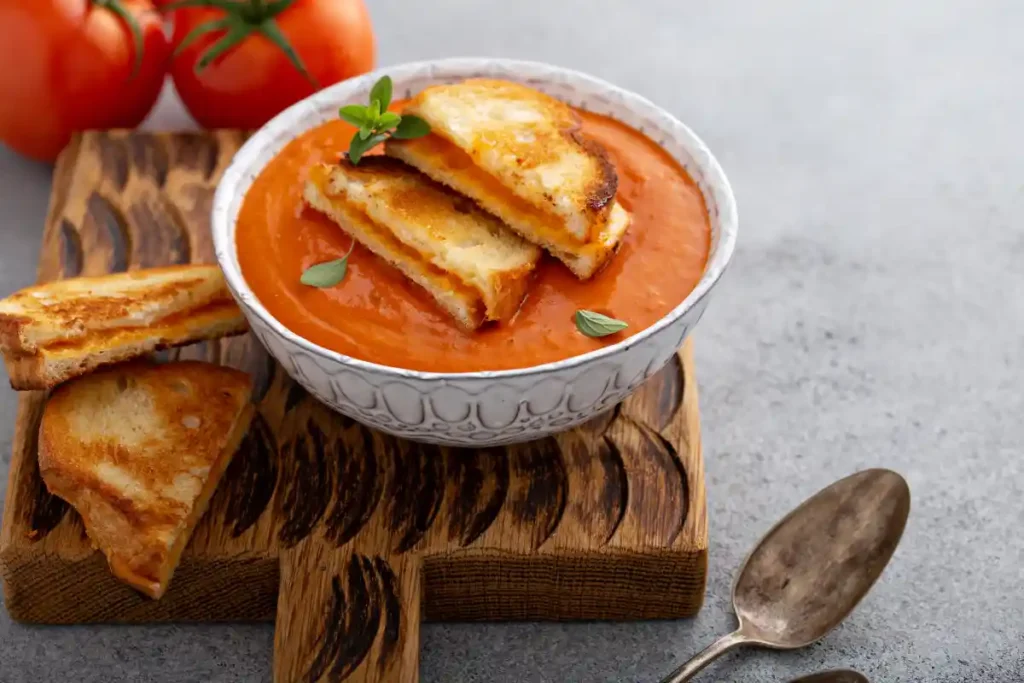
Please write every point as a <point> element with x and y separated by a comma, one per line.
<point>376,315</point>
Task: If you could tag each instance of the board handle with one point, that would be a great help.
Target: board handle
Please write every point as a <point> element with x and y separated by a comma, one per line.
<point>344,615</point>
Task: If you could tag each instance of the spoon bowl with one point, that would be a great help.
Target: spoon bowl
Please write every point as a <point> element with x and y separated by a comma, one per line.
<point>838,676</point>
<point>812,568</point>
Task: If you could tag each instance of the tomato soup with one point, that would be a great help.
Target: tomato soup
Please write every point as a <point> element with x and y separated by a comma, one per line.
<point>375,314</point>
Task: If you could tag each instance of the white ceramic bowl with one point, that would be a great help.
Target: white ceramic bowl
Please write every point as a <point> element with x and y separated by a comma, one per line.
<point>478,408</point>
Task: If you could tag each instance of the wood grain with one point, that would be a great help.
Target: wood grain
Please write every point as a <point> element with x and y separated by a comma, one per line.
<point>348,537</point>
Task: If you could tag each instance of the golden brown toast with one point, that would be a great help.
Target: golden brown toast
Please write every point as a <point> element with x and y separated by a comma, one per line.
<point>475,267</point>
<point>522,156</point>
<point>138,450</point>
<point>52,332</point>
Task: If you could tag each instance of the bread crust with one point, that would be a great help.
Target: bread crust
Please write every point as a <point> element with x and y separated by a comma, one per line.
<point>601,190</point>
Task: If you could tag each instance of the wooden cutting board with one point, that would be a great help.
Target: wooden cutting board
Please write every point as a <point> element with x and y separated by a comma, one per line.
<point>347,537</point>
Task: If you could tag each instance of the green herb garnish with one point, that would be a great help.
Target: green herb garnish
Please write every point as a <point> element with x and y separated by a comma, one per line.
<point>328,273</point>
<point>597,325</point>
<point>411,127</point>
<point>376,124</point>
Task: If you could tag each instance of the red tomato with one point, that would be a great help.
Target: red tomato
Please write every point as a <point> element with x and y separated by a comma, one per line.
<point>254,79</point>
<point>70,65</point>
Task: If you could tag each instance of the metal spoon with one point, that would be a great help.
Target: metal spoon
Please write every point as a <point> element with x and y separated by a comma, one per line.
<point>838,676</point>
<point>813,567</point>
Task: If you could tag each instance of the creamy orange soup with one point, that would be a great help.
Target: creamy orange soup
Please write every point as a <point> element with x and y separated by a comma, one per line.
<point>375,314</point>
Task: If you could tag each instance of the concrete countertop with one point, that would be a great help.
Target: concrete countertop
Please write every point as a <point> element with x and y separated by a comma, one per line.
<point>874,316</point>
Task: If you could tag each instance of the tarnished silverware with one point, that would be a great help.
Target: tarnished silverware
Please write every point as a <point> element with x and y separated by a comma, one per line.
<point>837,676</point>
<point>813,567</point>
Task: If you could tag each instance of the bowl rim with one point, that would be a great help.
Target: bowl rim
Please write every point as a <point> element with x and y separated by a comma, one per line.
<point>241,165</point>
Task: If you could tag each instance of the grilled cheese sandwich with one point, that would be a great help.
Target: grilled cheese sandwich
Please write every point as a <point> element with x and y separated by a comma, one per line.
<point>521,156</point>
<point>53,332</point>
<point>138,450</point>
<point>472,265</point>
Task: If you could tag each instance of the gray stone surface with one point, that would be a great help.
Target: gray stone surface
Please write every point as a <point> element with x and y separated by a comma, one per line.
<point>874,316</point>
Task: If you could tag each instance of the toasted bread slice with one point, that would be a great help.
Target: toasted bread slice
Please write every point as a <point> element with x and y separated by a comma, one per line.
<point>475,267</point>
<point>521,155</point>
<point>53,332</point>
<point>447,164</point>
<point>138,450</point>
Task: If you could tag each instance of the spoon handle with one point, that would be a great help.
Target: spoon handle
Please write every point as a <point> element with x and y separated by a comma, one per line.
<point>705,657</point>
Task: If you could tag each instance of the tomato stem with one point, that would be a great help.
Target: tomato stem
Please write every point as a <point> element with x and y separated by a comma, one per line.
<point>241,19</point>
<point>128,18</point>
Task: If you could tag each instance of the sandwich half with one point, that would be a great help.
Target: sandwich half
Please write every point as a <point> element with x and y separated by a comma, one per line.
<point>474,267</point>
<point>522,156</point>
<point>53,332</point>
<point>138,450</point>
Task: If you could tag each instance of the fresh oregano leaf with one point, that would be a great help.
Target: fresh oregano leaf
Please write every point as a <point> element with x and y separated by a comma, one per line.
<point>359,146</point>
<point>381,93</point>
<point>354,114</point>
<point>411,127</point>
<point>326,274</point>
<point>594,324</point>
<point>387,121</point>
<point>374,121</point>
